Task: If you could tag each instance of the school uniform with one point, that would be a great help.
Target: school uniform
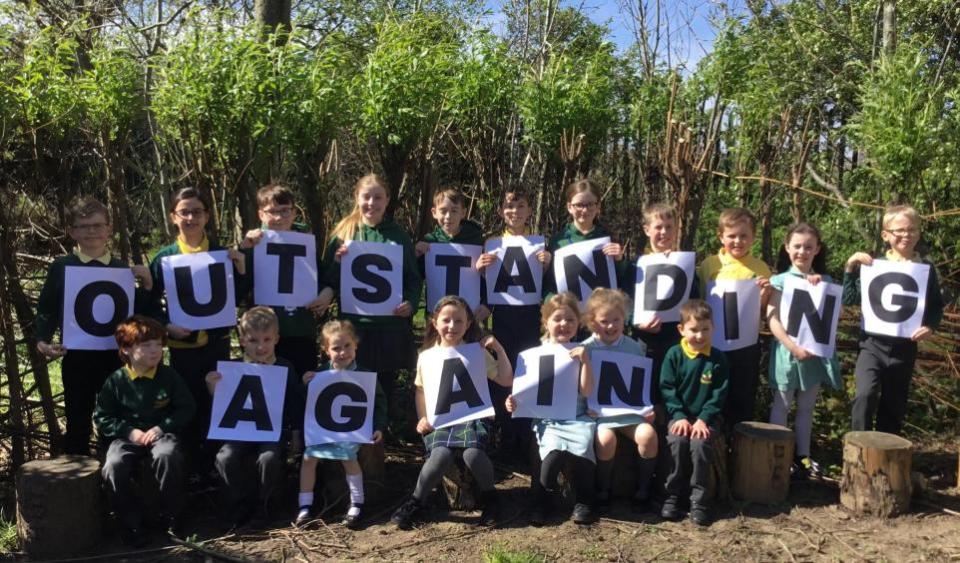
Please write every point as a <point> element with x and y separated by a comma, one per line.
<point>298,325</point>
<point>885,363</point>
<point>232,461</point>
<point>128,401</point>
<point>624,345</point>
<point>386,341</point>
<point>743,363</point>
<point>82,371</point>
<point>195,355</point>
<point>694,386</point>
<point>347,451</point>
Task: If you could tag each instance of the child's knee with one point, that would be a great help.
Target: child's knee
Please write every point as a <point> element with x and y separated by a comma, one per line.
<point>646,439</point>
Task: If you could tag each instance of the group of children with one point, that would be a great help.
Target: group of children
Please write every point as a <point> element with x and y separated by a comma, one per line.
<point>144,409</point>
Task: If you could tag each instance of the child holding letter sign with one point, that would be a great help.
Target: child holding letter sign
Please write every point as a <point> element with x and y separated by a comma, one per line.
<point>453,324</point>
<point>606,317</point>
<point>737,231</point>
<point>885,363</point>
<point>83,371</point>
<point>795,370</point>
<point>693,382</point>
<point>339,342</point>
<point>563,441</point>
<point>141,410</point>
<point>386,342</point>
<point>245,497</point>
<point>583,205</point>
<point>298,325</point>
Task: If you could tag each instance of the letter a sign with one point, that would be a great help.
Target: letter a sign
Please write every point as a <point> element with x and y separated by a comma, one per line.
<point>455,384</point>
<point>248,402</point>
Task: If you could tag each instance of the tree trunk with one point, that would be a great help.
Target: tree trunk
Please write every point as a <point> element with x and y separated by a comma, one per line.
<point>876,473</point>
<point>272,14</point>
<point>889,27</point>
<point>763,453</point>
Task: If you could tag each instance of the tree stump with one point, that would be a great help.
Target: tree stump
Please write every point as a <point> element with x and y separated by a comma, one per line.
<point>372,458</point>
<point>876,473</point>
<point>762,456</point>
<point>459,487</point>
<point>58,506</point>
<point>719,486</point>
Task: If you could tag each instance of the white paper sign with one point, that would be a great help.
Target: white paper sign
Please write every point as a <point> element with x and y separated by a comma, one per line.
<point>582,267</point>
<point>248,403</point>
<point>285,269</point>
<point>547,383</point>
<point>452,270</point>
<point>371,278</point>
<point>736,313</point>
<point>340,407</point>
<point>95,301</point>
<point>621,383</point>
<point>893,297</point>
<point>517,277</point>
<point>810,314</point>
<point>200,292</point>
<point>662,286</point>
<point>455,384</point>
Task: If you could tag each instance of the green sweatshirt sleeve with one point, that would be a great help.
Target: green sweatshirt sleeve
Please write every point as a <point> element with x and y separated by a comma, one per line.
<point>50,303</point>
<point>669,375</point>
<point>718,391</point>
<point>155,306</point>
<point>380,409</point>
<point>933,309</point>
<point>412,282</point>
<point>331,268</point>
<point>851,288</point>
<point>182,405</point>
<point>108,413</point>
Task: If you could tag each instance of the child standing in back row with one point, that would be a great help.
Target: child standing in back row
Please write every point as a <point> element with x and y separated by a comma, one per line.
<point>885,363</point>
<point>451,325</point>
<point>339,341</point>
<point>737,232</point>
<point>82,371</point>
<point>795,371</point>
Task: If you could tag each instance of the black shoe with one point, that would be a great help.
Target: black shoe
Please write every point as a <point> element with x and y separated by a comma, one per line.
<point>583,514</point>
<point>671,509</point>
<point>700,515</point>
<point>643,506</point>
<point>353,521</point>
<point>491,508</point>
<point>135,537</point>
<point>404,516</point>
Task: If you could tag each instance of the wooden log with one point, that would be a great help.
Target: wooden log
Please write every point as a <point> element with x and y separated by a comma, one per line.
<point>372,458</point>
<point>58,506</point>
<point>876,473</point>
<point>762,456</point>
<point>459,488</point>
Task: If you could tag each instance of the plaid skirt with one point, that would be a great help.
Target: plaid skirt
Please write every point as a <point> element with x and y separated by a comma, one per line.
<point>471,434</point>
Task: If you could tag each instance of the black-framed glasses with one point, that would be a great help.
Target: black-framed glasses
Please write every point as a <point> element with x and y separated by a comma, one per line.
<point>282,212</point>
<point>187,213</point>
<point>584,206</point>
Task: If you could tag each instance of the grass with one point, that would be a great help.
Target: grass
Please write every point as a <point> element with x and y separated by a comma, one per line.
<point>8,535</point>
<point>501,553</point>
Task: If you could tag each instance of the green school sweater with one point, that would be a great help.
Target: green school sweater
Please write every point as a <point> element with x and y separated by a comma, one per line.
<point>570,235</point>
<point>379,399</point>
<point>297,322</point>
<point>124,404</point>
<point>157,308</point>
<point>387,231</point>
<point>694,388</point>
<point>50,302</point>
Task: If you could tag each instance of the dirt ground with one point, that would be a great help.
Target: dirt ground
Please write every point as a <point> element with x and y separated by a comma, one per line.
<point>810,526</point>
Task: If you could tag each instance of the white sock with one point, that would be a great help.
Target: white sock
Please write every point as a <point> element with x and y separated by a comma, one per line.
<point>353,510</point>
<point>355,484</point>
<point>305,499</point>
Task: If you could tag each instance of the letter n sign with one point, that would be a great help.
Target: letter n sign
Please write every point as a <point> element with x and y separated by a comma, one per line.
<point>248,402</point>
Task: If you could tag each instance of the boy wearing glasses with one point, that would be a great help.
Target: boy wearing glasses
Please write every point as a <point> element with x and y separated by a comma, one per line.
<point>82,371</point>
<point>298,325</point>
<point>885,363</point>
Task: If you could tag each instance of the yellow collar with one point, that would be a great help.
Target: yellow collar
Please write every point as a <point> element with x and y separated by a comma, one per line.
<point>187,249</point>
<point>270,361</point>
<point>894,257</point>
<point>691,353</point>
<point>105,259</point>
<point>133,375</point>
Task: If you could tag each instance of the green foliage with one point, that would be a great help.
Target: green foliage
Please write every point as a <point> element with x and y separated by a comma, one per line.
<point>8,535</point>
<point>501,553</point>
<point>901,121</point>
<point>111,90</point>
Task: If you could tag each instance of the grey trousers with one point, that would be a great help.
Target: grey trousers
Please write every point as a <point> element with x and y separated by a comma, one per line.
<point>123,462</point>
<point>689,467</point>
<point>235,468</point>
